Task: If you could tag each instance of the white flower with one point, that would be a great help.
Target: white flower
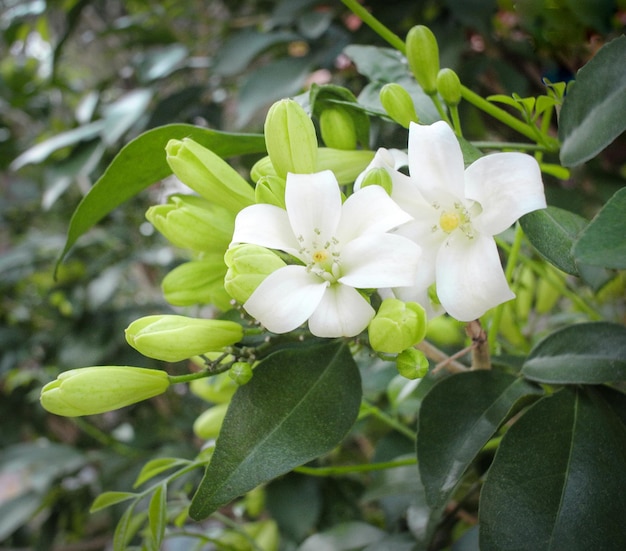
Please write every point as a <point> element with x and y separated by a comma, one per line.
<point>343,247</point>
<point>456,212</point>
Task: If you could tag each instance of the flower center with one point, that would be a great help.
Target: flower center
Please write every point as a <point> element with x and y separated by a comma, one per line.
<point>457,217</point>
<point>322,259</point>
<point>449,220</point>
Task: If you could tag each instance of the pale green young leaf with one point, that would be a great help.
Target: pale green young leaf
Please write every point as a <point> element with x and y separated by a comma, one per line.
<point>157,515</point>
<point>155,467</point>
<point>107,499</point>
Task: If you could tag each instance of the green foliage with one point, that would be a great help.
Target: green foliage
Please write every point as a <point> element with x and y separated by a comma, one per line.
<point>319,448</point>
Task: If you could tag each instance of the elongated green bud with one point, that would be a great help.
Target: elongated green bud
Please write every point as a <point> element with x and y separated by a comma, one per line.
<point>422,53</point>
<point>208,174</point>
<point>173,338</point>
<point>449,87</point>
<point>92,390</point>
<point>412,363</point>
<point>397,326</point>
<point>290,138</point>
<point>346,165</point>
<point>270,190</point>
<point>197,282</point>
<point>194,223</point>
<point>337,128</point>
<point>398,103</point>
<point>218,389</point>
<point>248,265</point>
<point>209,423</point>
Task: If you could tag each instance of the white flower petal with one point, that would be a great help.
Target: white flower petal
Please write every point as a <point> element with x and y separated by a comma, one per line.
<point>265,225</point>
<point>342,312</point>
<point>384,260</point>
<point>369,211</point>
<point>507,185</point>
<point>389,159</point>
<point>313,204</point>
<point>286,298</point>
<point>436,161</point>
<point>470,279</point>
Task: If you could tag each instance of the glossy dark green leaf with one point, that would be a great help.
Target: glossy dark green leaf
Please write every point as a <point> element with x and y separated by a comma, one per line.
<point>552,231</point>
<point>298,406</point>
<point>592,115</point>
<point>585,353</point>
<point>141,163</point>
<point>457,418</point>
<point>557,480</point>
<point>603,241</point>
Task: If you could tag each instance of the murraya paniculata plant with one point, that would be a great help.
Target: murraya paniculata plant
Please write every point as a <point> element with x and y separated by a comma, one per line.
<point>334,257</point>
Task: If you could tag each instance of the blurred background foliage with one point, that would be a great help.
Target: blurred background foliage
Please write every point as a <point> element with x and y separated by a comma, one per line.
<point>78,80</point>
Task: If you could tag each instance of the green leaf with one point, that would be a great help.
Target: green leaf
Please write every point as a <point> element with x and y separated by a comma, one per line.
<point>155,467</point>
<point>552,231</point>
<point>157,515</point>
<point>299,405</point>
<point>141,163</point>
<point>585,353</point>
<point>457,418</point>
<point>603,241</point>
<point>110,498</point>
<point>123,530</point>
<point>557,480</point>
<point>593,110</point>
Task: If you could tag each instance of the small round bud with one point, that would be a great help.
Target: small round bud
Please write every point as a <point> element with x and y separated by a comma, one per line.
<point>449,87</point>
<point>398,103</point>
<point>337,128</point>
<point>290,138</point>
<point>377,177</point>
<point>92,390</point>
<point>248,265</point>
<point>422,53</point>
<point>240,372</point>
<point>412,363</point>
<point>397,326</point>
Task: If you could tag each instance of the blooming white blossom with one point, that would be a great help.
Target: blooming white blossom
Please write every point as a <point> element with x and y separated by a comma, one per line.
<point>456,212</point>
<point>342,248</point>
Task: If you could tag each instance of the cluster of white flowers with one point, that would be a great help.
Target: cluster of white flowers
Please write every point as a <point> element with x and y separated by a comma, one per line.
<point>435,228</point>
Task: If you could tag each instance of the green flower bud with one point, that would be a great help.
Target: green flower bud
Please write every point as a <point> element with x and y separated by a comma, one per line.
<point>173,338</point>
<point>422,53</point>
<point>445,331</point>
<point>208,424</point>
<point>449,87</point>
<point>270,190</point>
<point>346,165</point>
<point>412,363</point>
<point>337,128</point>
<point>208,174</point>
<point>240,372</point>
<point>397,326</point>
<point>194,223</point>
<point>197,282</point>
<point>218,389</point>
<point>248,265</point>
<point>91,390</point>
<point>378,177</point>
<point>290,138</point>
<point>398,103</point>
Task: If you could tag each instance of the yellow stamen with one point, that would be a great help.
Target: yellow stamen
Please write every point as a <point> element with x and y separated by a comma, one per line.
<point>449,220</point>
<point>320,256</point>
